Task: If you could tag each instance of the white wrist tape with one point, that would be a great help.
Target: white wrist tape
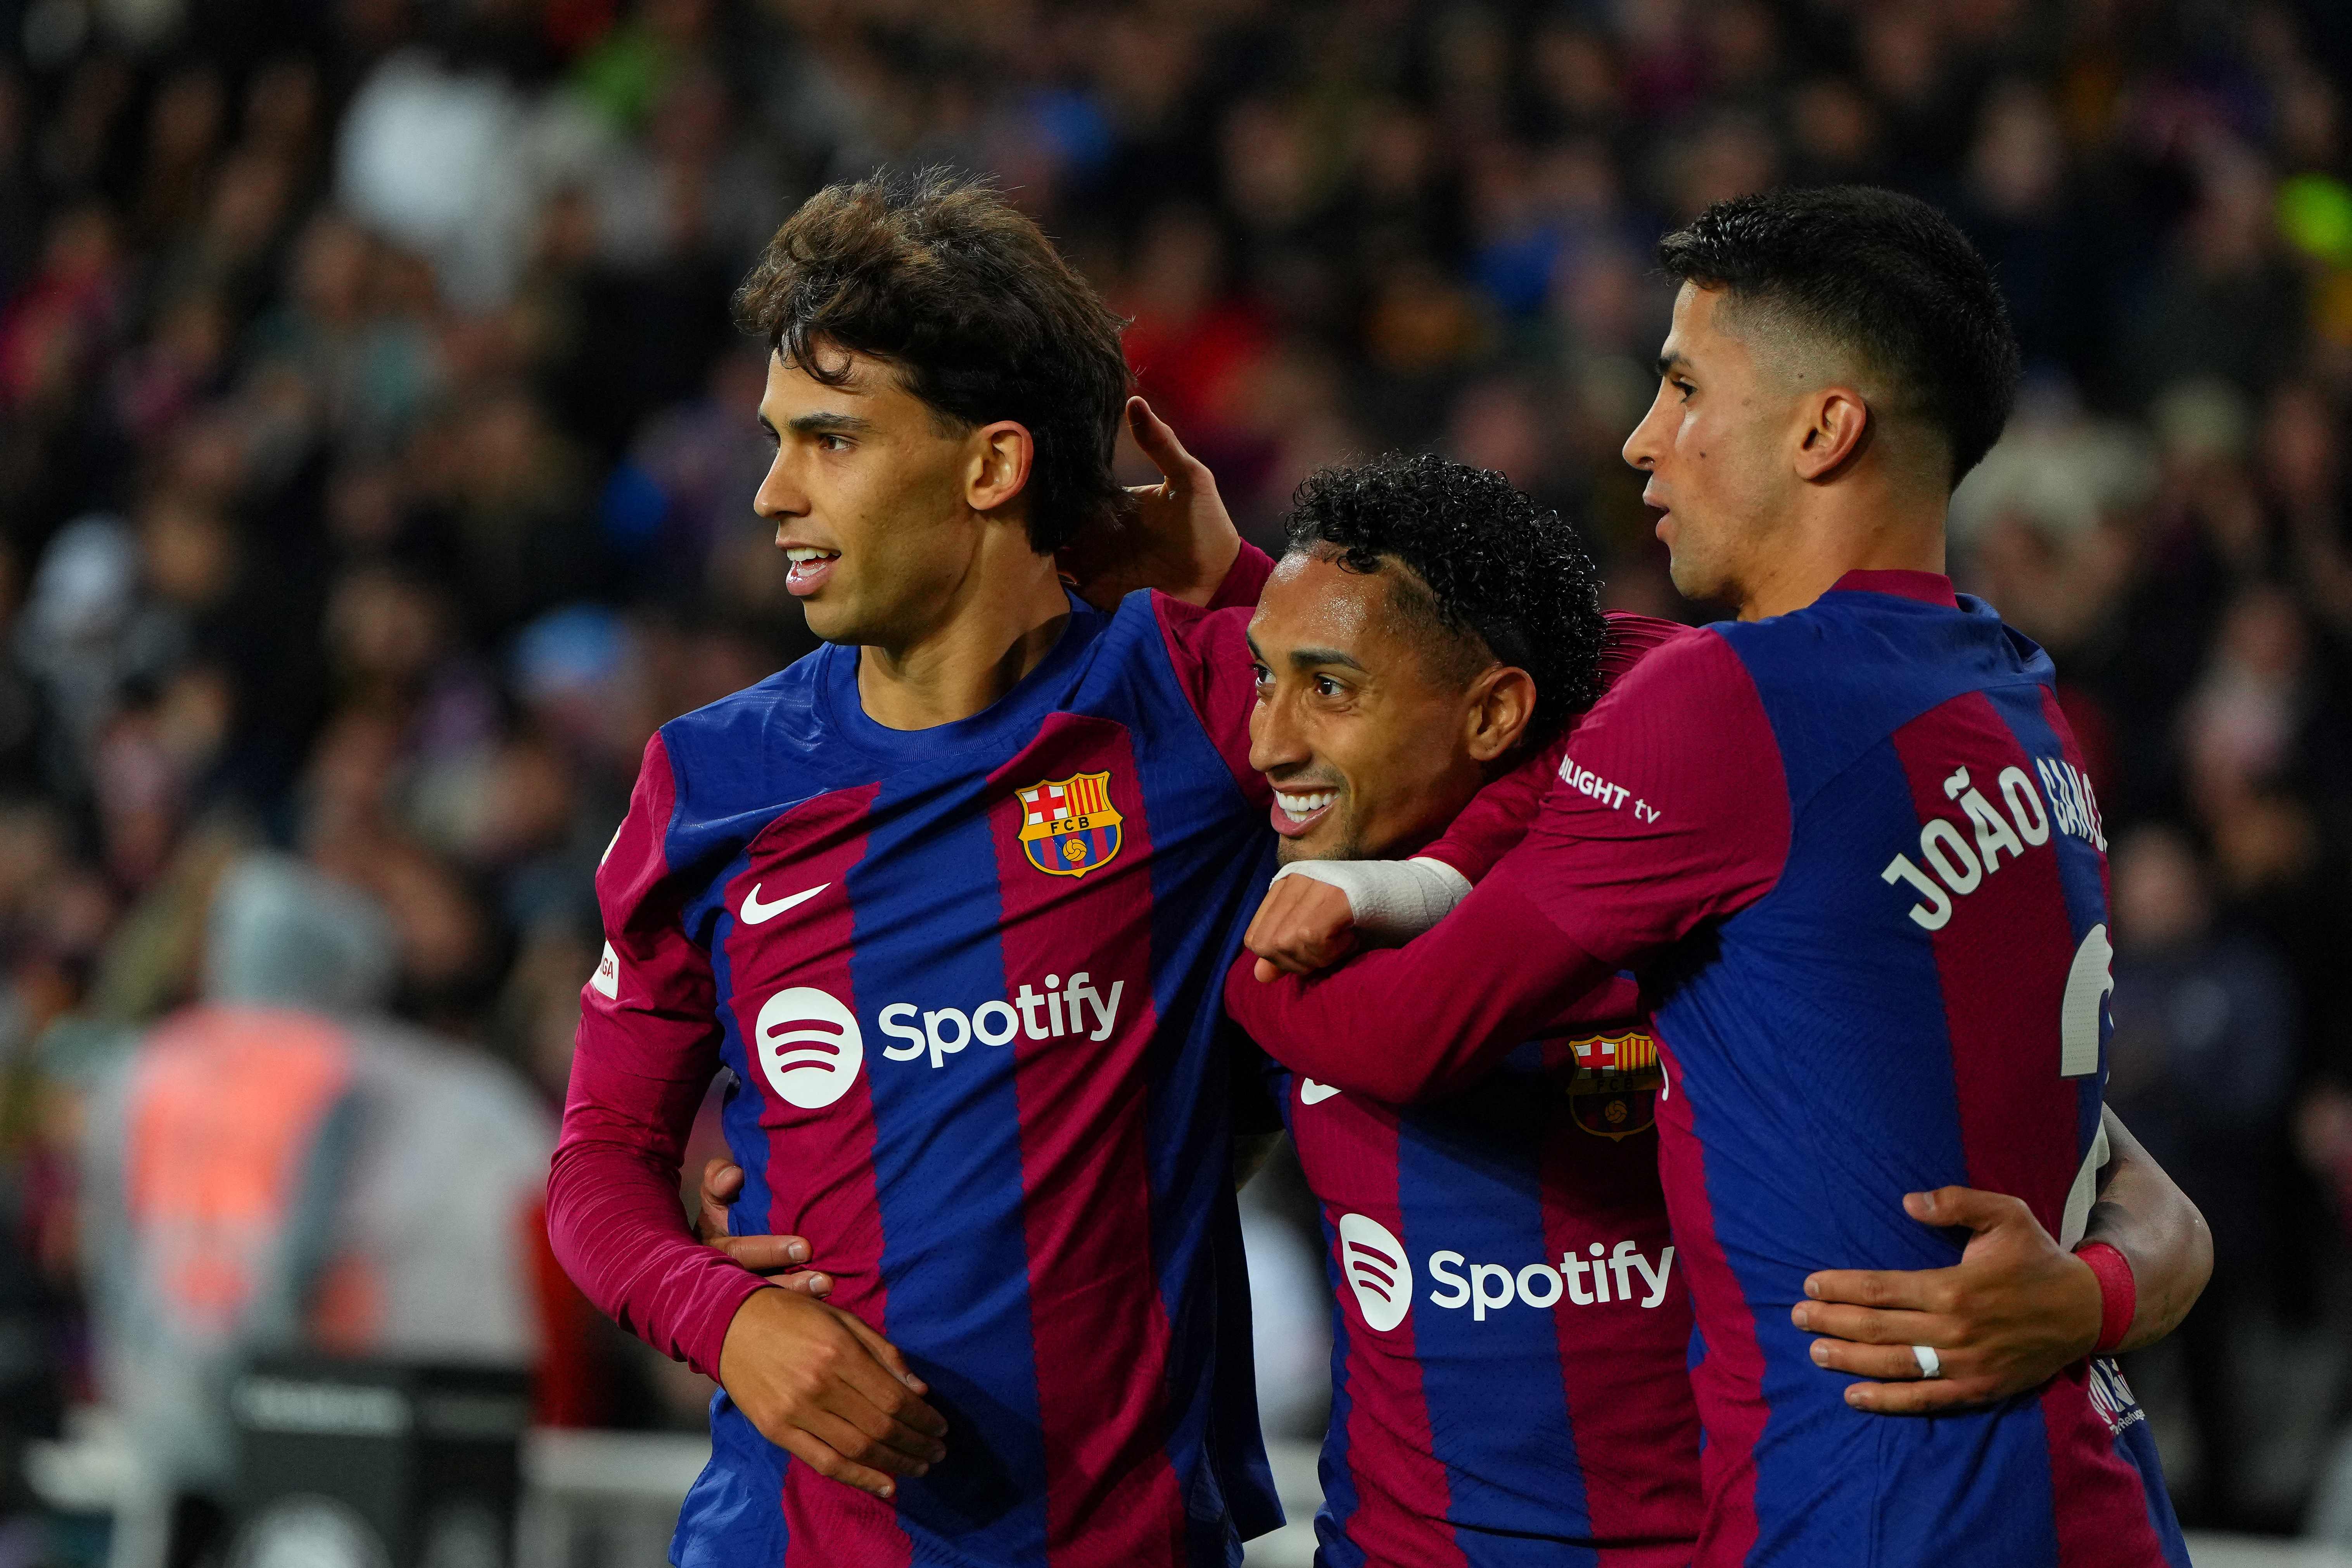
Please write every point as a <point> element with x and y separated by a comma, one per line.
<point>1392,901</point>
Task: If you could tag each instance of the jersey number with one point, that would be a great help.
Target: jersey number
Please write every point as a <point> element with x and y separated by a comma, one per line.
<point>2089,983</point>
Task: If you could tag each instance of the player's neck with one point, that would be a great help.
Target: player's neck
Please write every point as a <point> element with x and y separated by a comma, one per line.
<point>1878,532</point>
<point>997,629</point>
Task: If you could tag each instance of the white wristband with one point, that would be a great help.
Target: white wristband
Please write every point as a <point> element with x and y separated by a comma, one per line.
<point>1392,901</point>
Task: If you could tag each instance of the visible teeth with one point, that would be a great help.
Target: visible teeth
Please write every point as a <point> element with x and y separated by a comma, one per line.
<point>1297,808</point>
<point>801,555</point>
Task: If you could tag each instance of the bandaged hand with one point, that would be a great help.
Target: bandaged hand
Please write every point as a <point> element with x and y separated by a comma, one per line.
<point>1318,911</point>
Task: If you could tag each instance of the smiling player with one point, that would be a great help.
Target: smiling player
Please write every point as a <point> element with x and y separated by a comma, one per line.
<point>1509,1330</point>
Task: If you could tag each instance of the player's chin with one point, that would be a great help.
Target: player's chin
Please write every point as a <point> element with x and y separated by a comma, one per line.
<point>1324,841</point>
<point>835,620</point>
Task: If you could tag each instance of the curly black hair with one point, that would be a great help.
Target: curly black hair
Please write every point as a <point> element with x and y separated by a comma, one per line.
<point>1882,273</point>
<point>1488,568</point>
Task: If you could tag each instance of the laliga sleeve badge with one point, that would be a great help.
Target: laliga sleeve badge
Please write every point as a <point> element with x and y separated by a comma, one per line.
<point>1069,826</point>
<point>1613,1093</point>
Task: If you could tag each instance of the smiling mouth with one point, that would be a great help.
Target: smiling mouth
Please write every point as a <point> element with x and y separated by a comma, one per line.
<point>809,568</point>
<point>1296,811</point>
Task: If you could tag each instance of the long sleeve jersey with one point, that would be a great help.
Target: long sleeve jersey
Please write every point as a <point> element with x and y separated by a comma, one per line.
<point>1853,858</point>
<point>963,985</point>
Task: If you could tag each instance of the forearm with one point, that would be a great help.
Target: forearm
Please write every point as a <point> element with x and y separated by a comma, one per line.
<point>614,1223</point>
<point>2144,1216</point>
<point>1402,1025</point>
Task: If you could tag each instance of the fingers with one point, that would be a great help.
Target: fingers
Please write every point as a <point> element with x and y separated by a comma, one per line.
<point>1919,1398</point>
<point>1915,1291</point>
<point>906,1422</point>
<point>890,1449</point>
<point>886,1352</point>
<point>763,1254</point>
<point>1302,927</point>
<point>1889,1363</point>
<point>826,1461</point>
<point>808,1282</point>
<point>1969,1206</point>
<point>1263,970</point>
<point>1868,1326</point>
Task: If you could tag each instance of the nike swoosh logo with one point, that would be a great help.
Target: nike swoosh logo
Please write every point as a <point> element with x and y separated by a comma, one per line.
<point>754,911</point>
<point>1313,1093</point>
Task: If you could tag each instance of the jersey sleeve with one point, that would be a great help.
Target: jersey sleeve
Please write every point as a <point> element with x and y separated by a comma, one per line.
<point>1245,579</point>
<point>1671,810</point>
<point>1208,646</point>
<point>647,1050</point>
<point>1497,818</point>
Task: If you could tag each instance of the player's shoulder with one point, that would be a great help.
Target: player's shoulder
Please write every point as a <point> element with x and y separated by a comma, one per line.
<point>784,709</point>
<point>1628,638</point>
<point>1649,660</point>
<point>763,745</point>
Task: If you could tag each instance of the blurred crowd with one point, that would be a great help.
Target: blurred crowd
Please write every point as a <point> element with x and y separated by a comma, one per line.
<point>376,458</point>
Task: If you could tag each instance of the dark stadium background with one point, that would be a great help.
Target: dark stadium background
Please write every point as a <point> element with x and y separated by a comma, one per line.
<point>375,461</point>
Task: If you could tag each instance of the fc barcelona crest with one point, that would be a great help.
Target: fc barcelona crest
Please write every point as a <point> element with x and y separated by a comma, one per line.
<point>1613,1093</point>
<point>1068,826</point>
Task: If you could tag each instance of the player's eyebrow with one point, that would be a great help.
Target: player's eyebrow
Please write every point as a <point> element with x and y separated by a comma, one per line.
<point>1309,657</point>
<point>826,422</point>
<point>1304,657</point>
<point>1669,364</point>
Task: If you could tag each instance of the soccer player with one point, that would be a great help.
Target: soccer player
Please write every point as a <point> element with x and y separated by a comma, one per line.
<point>1509,1332</point>
<point>949,900</point>
<point>1846,844</point>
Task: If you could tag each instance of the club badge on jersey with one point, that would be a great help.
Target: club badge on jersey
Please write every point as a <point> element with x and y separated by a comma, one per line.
<point>1069,826</point>
<point>1613,1093</point>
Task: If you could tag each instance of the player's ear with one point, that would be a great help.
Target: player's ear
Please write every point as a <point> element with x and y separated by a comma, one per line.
<point>1502,704</point>
<point>1838,428</point>
<point>997,469</point>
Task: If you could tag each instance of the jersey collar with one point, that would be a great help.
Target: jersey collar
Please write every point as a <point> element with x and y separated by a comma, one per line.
<point>1928,587</point>
<point>1017,713</point>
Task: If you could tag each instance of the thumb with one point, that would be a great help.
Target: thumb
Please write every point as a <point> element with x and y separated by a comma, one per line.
<point>721,1179</point>
<point>1266,971</point>
<point>1969,1206</point>
<point>1156,438</point>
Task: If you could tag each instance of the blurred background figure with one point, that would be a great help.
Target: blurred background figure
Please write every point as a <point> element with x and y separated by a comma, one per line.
<point>281,1168</point>
<point>376,459</point>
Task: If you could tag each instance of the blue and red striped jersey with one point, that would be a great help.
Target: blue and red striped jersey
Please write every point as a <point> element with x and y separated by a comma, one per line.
<point>1851,854</point>
<point>1510,1334</point>
<point>963,983</point>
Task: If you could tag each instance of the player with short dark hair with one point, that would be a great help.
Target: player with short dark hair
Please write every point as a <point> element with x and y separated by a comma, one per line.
<point>1846,844</point>
<point>1884,278</point>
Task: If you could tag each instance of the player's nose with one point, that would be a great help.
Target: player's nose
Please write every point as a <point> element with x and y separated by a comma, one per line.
<point>1640,449</point>
<point>780,495</point>
<point>1276,741</point>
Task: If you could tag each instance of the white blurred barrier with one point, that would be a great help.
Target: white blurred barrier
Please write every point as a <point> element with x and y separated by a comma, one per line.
<point>611,1498</point>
